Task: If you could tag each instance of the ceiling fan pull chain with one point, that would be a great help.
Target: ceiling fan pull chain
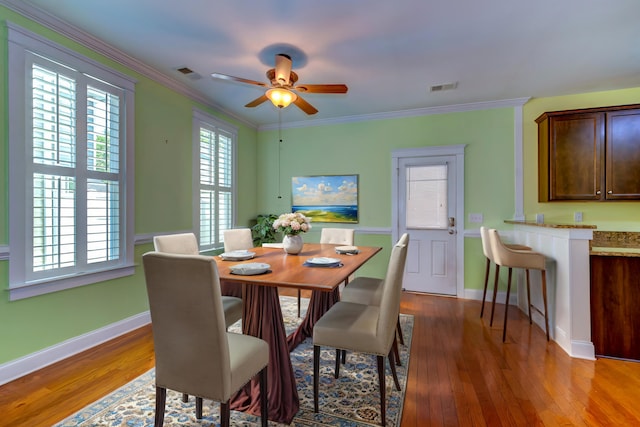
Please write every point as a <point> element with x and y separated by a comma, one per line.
<point>279,149</point>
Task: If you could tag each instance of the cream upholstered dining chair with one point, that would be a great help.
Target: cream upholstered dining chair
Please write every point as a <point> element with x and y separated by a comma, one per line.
<point>187,244</point>
<point>337,236</point>
<point>511,258</point>
<point>237,239</point>
<point>334,236</point>
<point>486,250</point>
<point>194,353</point>
<point>368,290</point>
<point>364,328</point>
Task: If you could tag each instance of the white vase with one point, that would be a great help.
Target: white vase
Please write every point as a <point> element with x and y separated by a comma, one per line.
<point>292,244</point>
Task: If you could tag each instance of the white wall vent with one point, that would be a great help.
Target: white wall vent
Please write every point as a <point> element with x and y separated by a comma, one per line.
<point>445,86</point>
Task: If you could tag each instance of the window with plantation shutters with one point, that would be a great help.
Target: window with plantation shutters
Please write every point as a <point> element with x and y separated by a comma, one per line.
<point>214,166</point>
<point>71,223</point>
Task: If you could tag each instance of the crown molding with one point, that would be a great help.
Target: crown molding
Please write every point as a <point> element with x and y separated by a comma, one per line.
<point>99,46</point>
<point>427,111</point>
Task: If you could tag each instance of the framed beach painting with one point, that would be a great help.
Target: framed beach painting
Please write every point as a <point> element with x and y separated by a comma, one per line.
<point>326,198</point>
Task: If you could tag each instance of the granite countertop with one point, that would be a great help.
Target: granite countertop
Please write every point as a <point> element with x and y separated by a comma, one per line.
<point>626,252</point>
<point>549,224</point>
<point>604,243</point>
<point>615,243</point>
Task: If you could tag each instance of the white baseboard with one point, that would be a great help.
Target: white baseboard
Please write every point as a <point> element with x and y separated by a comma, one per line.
<point>25,365</point>
<point>583,350</point>
<point>476,294</point>
<point>574,348</point>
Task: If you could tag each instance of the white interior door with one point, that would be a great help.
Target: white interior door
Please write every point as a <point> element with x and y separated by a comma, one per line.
<point>426,206</point>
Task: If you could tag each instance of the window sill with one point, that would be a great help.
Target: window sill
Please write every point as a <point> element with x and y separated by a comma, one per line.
<point>41,288</point>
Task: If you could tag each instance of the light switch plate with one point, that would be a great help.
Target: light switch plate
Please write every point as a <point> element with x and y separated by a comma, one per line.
<point>540,218</point>
<point>577,216</point>
<point>476,218</point>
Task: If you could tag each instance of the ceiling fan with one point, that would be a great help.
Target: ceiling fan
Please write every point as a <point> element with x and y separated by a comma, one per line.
<point>283,86</point>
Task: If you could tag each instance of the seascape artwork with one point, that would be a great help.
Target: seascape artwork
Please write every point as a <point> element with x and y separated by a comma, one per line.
<point>327,198</point>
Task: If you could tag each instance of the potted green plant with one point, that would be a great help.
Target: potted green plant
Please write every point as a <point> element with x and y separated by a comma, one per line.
<point>263,231</point>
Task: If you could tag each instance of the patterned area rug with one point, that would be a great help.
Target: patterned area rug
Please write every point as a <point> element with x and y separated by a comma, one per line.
<point>350,401</point>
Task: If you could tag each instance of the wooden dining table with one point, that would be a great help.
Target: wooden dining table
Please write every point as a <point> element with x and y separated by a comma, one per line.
<point>262,315</point>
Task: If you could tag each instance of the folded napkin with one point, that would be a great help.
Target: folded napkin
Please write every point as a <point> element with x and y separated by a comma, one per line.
<point>347,250</point>
<point>323,262</point>
<point>310,264</point>
<point>272,245</point>
<point>250,269</point>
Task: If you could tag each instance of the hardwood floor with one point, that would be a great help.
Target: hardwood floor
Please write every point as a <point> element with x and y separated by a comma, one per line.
<point>460,374</point>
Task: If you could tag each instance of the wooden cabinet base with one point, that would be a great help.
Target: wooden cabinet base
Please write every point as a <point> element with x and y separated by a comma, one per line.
<point>615,306</point>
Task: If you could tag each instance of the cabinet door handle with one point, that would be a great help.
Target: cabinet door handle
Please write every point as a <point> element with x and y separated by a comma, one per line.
<point>598,192</point>
<point>610,192</point>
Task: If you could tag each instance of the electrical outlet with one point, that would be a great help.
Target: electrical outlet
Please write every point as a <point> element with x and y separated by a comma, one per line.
<point>540,218</point>
<point>577,216</point>
<point>476,218</point>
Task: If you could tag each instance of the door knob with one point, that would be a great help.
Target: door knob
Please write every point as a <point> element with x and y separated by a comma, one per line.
<point>452,224</point>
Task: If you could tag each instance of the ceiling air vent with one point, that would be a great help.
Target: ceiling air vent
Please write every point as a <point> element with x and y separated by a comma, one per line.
<point>445,86</point>
<point>189,73</point>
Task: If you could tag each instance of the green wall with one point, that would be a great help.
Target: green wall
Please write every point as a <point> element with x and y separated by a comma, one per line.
<point>365,148</point>
<point>163,204</point>
<point>610,216</point>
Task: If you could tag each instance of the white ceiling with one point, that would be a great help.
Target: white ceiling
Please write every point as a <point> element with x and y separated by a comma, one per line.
<point>389,53</point>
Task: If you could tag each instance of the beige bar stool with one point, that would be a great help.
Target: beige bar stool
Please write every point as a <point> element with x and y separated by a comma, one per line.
<point>511,258</point>
<point>486,249</point>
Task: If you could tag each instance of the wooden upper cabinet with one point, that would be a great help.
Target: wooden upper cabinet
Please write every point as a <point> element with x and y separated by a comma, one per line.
<point>576,155</point>
<point>623,155</point>
<point>591,154</point>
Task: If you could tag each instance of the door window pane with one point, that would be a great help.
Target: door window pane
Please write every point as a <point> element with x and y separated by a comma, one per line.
<point>426,199</point>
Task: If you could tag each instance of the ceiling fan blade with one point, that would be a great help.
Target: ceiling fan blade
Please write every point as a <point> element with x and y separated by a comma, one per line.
<point>283,68</point>
<point>237,79</point>
<point>337,88</point>
<point>257,101</point>
<point>305,106</point>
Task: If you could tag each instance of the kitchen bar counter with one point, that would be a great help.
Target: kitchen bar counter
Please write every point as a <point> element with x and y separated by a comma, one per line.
<point>594,290</point>
<point>604,243</point>
<point>567,247</point>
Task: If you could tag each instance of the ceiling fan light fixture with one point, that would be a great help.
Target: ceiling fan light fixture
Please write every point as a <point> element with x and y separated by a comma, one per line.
<point>281,98</point>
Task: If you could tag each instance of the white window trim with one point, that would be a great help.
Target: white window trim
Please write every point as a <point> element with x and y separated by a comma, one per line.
<point>20,41</point>
<point>200,118</point>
